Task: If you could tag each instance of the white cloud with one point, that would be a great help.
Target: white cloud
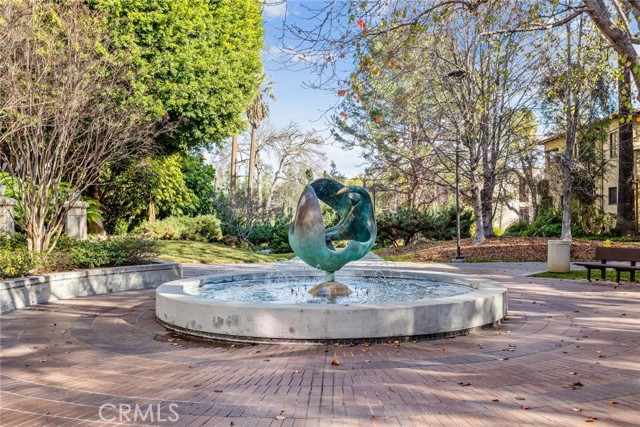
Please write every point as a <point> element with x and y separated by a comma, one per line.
<point>275,8</point>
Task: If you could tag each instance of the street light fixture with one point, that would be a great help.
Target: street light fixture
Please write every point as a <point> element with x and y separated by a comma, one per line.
<point>457,74</point>
<point>458,257</point>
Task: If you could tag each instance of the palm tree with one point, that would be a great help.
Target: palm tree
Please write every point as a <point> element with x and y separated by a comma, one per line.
<point>257,112</point>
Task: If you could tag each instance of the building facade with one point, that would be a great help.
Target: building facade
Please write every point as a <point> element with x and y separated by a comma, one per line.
<point>606,185</point>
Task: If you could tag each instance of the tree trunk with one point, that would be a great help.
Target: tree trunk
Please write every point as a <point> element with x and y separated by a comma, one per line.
<point>252,164</point>
<point>477,210</point>
<point>567,177</point>
<point>571,114</point>
<point>625,221</point>
<point>259,180</point>
<point>486,195</point>
<point>233,174</point>
<point>151,212</point>
<point>276,176</point>
<point>530,182</point>
<point>623,45</point>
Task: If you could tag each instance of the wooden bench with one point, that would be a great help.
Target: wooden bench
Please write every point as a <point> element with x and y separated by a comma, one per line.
<point>618,259</point>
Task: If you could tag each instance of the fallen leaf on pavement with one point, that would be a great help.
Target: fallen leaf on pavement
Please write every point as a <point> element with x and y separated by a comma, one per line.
<point>574,386</point>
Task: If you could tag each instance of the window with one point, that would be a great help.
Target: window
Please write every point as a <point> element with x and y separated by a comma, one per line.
<point>613,145</point>
<point>613,195</point>
<point>551,157</point>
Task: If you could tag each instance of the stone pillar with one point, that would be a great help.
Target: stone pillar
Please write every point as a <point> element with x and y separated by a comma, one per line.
<point>6,213</point>
<point>76,224</point>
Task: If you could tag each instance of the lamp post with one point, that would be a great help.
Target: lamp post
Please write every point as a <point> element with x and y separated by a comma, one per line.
<point>457,74</point>
<point>458,257</point>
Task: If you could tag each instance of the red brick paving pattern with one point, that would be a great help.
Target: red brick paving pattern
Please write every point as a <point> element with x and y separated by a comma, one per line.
<point>566,346</point>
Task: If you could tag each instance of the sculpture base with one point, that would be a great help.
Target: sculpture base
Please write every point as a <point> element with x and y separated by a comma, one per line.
<point>330,290</point>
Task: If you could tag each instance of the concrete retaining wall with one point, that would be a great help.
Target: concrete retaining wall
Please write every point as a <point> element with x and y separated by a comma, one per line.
<point>26,291</point>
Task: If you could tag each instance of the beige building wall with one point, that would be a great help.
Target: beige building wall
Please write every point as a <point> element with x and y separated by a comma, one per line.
<point>607,187</point>
<point>519,199</point>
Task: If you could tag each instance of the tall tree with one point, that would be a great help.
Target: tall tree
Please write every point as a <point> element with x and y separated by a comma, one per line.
<point>401,80</point>
<point>385,112</point>
<point>257,112</point>
<point>576,93</point>
<point>290,146</point>
<point>147,189</point>
<point>198,60</point>
<point>67,109</point>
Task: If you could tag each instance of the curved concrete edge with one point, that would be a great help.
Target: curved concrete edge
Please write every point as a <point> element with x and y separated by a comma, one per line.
<point>179,310</point>
<point>27,291</point>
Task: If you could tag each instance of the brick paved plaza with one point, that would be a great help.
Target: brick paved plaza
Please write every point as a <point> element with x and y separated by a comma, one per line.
<point>568,354</point>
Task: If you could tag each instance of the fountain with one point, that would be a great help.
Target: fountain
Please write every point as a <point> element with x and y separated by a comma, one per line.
<point>293,304</point>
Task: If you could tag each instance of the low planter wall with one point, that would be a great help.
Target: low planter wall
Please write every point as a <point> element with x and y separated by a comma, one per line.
<point>26,291</point>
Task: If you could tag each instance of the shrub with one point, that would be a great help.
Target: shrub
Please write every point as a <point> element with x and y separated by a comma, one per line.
<point>132,250</point>
<point>206,226</point>
<point>69,254</point>
<point>15,259</point>
<point>546,224</point>
<point>86,253</point>
<point>401,225</point>
<point>108,252</point>
<point>517,228</point>
<point>15,262</point>
<point>171,228</point>
<point>203,228</point>
<point>404,225</point>
<point>275,235</point>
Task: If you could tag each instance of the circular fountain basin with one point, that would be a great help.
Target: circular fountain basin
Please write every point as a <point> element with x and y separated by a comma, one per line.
<point>364,290</point>
<point>180,308</point>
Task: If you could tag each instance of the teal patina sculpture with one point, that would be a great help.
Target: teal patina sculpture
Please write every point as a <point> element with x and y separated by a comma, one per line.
<point>313,243</point>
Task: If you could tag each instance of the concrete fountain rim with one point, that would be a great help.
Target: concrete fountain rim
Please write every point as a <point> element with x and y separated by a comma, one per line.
<point>239,321</point>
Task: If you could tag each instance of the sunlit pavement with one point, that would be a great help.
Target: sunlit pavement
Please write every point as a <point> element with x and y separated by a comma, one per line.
<point>567,354</point>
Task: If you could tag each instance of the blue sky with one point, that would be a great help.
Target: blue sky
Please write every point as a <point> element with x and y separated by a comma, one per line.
<point>296,103</point>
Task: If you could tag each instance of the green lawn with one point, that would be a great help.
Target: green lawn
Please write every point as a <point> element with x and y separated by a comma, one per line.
<point>582,275</point>
<point>211,253</point>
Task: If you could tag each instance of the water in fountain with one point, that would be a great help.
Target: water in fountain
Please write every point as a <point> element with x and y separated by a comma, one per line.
<point>370,290</point>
